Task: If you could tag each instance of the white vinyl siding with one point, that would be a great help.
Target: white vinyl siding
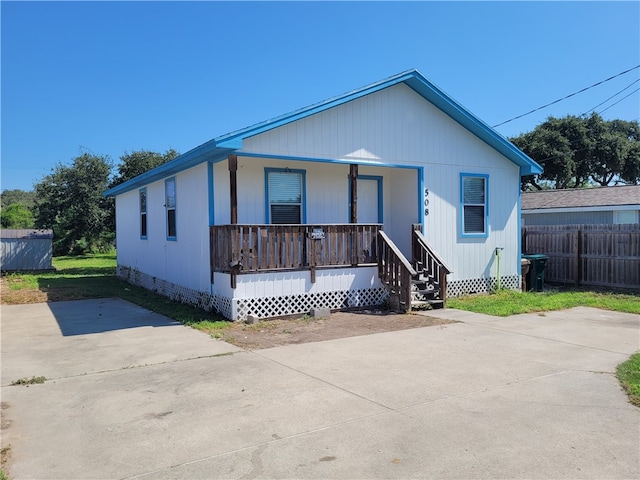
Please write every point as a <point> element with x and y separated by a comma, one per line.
<point>177,260</point>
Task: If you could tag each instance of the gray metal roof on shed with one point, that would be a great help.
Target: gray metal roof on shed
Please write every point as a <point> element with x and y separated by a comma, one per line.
<point>582,197</point>
<point>25,233</point>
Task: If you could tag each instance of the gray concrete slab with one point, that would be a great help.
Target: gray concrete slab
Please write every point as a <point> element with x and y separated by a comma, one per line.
<point>64,339</point>
<point>521,397</point>
<point>603,329</point>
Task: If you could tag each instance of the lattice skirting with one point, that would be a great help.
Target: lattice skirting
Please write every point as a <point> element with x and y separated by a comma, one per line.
<point>189,296</point>
<point>262,307</point>
<point>466,286</point>
<point>266,307</point>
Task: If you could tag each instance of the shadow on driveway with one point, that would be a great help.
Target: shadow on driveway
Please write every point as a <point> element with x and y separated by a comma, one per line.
<point>106,316</point>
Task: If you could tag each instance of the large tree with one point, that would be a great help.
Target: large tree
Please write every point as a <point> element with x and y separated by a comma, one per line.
<point>133,164</point>
<point>16,209</point>
<point>139,161</point>
<point>9,197</point>
<point>579,151</point>
<point>16,215</point>
<point>69,200</point>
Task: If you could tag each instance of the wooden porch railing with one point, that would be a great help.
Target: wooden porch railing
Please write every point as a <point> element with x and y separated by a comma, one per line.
<point>426,258</point>
<point>239,249</point>
<point>394,270</point>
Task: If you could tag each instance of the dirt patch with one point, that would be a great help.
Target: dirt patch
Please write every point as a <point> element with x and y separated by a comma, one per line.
<point>278,332</point>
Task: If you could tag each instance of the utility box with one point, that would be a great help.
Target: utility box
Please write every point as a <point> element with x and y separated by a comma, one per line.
<point>535,275</point>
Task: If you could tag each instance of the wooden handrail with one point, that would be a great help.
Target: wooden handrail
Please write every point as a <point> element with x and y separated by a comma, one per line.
<point>433,265</point>
<point>253,248</point>
<point>419,237</point>
<point>394,270</point>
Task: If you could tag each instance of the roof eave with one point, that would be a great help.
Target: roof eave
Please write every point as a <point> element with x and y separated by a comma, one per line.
<point>209,151</point>
<point>223,145</point>
<point>464,117</point>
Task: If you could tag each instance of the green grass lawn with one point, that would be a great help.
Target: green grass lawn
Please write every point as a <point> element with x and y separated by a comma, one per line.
<point>93,276</point>
<point>509,302</point>
<point>629,376</point>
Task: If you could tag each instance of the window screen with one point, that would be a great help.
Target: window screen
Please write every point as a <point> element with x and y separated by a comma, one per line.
<point>285,197</point>
<point>143,213</point>
<point>170,205</point>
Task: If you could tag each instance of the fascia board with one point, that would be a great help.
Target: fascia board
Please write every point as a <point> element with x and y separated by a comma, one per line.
<point>480,129</point>
<point>424,88</point>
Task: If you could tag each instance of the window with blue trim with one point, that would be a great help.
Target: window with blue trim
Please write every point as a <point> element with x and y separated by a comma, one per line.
<point>285,196</point>
<point>473,199</point>
<point>170,206</point>
<point>143,213</point>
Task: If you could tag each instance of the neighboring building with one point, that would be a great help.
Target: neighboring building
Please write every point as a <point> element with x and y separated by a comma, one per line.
<point>284,216</point>
<point>585,206</point>
<point>25,250</point>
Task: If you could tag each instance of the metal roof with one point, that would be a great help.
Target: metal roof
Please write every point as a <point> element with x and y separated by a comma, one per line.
<point>582,197</point>
<point>25,233</point>
<point>221,146</point>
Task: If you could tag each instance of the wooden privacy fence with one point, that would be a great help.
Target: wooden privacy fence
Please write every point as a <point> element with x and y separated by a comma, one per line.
<point>267,248</point>
<point>599,255</point>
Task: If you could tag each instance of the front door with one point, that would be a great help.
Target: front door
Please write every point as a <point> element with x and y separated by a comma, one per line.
<point>369,199</point>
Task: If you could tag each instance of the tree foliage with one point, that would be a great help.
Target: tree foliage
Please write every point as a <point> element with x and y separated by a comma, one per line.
<point>9,197</point>
<point>16,215</point>
<point>69,200</point>
<point>580,151</point>
<point>140,161</point>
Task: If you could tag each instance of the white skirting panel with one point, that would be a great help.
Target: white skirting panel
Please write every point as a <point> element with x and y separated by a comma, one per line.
<point>277,294</point>
<point>288,293</point>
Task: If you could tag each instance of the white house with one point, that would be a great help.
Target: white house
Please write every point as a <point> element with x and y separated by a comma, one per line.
<point>390,188</point>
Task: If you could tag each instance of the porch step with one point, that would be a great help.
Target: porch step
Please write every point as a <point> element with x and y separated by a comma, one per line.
<point>426,304</point>
<point>428,292</point>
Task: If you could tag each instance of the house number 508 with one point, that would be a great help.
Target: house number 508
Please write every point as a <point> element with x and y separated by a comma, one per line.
<point>426,201</point>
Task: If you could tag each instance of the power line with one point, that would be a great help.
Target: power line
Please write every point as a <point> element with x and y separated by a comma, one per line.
<point>568,96</point>
<point>619,100</point>
<point>614,95</point>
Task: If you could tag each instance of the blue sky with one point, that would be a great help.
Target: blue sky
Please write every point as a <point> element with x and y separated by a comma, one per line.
<point>113,77</point>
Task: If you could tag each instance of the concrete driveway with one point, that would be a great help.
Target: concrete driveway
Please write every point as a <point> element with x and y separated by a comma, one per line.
<point>131,394</point>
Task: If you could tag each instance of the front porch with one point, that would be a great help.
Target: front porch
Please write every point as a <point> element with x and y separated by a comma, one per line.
<point>304,256</point>
<point>276,270</point>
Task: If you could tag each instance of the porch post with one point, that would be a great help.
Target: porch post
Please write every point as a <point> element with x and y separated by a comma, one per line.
<point>353,181</point>
<point>233,184</point>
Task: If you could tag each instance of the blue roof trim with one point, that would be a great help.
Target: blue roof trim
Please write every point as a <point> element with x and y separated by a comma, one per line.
<point>206,152</point>
<point>219,147</point>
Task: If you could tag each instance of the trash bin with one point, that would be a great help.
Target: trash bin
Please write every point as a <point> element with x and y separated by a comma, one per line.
<point>535,275</point>
<point>525,266</point>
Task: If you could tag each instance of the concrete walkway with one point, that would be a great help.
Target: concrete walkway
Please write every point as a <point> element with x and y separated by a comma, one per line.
<point>131,394</point>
